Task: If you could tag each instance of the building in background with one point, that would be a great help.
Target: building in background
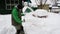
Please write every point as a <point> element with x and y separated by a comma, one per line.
<point>7,5</point>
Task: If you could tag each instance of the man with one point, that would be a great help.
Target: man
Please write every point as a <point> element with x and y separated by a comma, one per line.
<point>16,18</point>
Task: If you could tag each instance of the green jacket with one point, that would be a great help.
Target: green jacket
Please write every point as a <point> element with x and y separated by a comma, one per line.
<point>15,15</point>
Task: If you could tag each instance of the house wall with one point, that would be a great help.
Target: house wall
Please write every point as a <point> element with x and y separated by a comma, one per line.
<point>3,9</point>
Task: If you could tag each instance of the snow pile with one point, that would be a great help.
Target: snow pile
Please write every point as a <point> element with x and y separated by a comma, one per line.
<point>8,30</point>
<point>41,12</point>
<point>5,20</point>
<point>48,25</point>
<point>6,26</point>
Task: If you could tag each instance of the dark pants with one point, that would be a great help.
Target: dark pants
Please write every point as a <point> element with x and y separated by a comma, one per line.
<point>18,27</point>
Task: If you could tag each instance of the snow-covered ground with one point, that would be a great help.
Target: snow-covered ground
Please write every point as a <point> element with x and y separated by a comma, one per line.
<point>5,19</point>
<point>6,26</point>
<point>35,25</point>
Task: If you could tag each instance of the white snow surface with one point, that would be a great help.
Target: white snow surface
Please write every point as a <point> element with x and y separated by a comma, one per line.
<point>35,25</point>
<point>5,20</point>
<point>6,26</point>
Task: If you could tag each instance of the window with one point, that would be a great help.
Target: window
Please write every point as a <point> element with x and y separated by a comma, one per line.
<point>11,3</point>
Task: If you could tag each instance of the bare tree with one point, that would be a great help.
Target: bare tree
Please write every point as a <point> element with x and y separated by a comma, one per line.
<point>42,5</point>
